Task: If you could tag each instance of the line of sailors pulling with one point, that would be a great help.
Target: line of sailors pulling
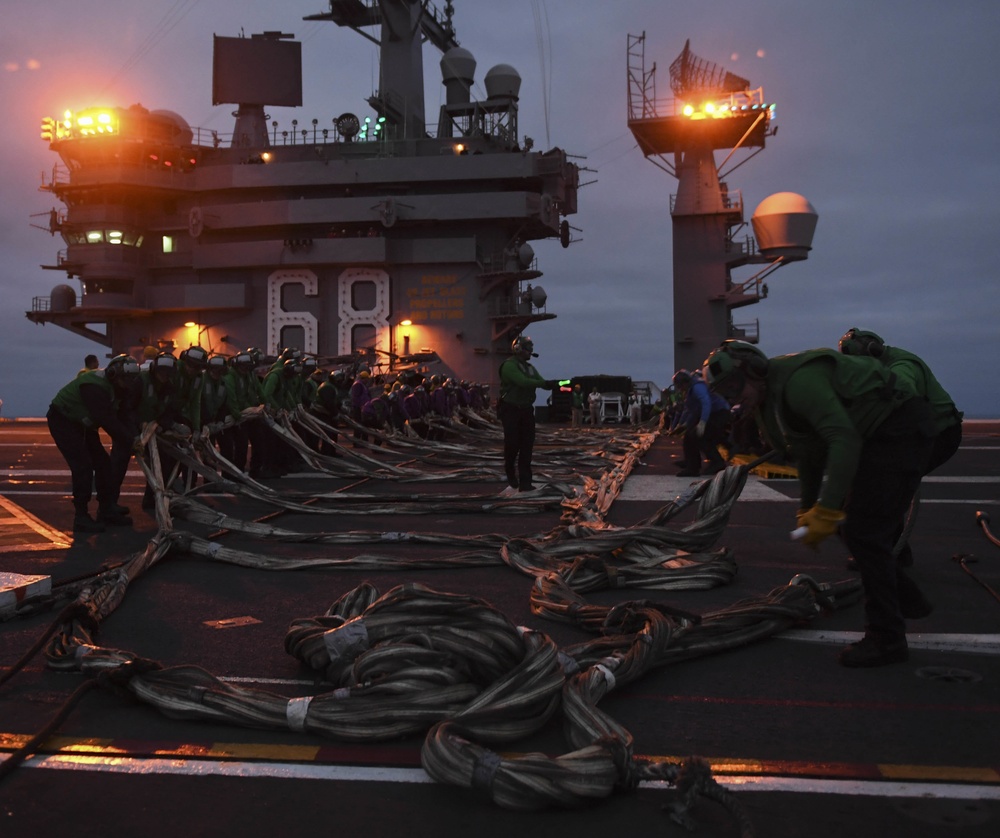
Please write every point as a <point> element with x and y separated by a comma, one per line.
<point>199,393</point>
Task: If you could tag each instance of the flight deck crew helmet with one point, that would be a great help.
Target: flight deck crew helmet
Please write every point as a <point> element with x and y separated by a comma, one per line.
<point>164,362</point>
<point>196,356</point>
<point>244,362</point>
<point>121,370</point>
<point>217,363</point>
<point>728,367</point>
<point>682,378</point>
<point>859,342</point>
<point>523,344</point>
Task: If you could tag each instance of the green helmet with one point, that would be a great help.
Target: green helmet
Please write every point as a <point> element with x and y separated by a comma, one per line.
<point>859,342</point>
<point>728,367</point>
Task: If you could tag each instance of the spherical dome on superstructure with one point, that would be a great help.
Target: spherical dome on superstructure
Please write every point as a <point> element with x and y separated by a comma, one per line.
<point>781,202</point>
<point>525,255</point>
<point>784,224</point>
<point>63,298</point>
<point>503,82</point>
<point>183,135</point>
<point>458,63</point>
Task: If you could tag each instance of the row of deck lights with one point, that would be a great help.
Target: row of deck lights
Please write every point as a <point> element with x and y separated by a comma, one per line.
<point>710,109</point>
<point>367,125</point>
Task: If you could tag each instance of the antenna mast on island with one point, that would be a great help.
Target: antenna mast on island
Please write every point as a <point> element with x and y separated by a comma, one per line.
<point>712,109</point>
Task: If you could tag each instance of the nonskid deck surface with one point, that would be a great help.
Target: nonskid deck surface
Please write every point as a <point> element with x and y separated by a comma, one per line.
<point>809,747</point>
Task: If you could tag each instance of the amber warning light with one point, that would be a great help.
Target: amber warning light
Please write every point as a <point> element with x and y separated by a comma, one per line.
<point>91,123</point>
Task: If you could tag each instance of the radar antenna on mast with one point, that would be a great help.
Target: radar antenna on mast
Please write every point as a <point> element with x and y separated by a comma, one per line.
<point>691,75</point>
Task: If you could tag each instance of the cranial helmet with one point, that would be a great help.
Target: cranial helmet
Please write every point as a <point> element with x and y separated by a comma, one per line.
<point>859,342</point>
<point>164,362</point>
<point>682,378</point>
<point>196,356</point>
<point>217,362</point>
<point>728,367</point>
<point>121,369</point>
<point>523,343</point>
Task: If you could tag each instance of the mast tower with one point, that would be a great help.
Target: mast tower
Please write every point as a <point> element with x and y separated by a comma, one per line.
<point>712,109</point>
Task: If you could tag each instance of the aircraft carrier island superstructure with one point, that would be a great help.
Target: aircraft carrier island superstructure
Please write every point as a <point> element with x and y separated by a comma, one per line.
<point>364,237</point>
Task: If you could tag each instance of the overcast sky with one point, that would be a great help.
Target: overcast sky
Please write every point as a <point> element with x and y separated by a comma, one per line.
<point>888,121</point>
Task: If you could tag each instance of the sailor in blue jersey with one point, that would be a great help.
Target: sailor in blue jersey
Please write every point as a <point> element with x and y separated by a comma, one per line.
<point>705,416</point>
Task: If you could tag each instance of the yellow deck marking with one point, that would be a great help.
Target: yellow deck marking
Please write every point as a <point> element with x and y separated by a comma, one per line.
<point>13,515</point>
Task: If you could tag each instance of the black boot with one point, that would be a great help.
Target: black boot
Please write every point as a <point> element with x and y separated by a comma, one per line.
<point>109,516</point>
<point>82,522</point>
<point>870,652</point>
<point>913,605</point>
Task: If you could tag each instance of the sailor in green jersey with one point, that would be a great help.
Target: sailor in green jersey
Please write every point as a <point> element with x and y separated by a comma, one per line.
<point>516,409</point>
<point>282,386</point>
<point>577,408</point>
<point>191,384</point>
<point>851,421</point>
<point>160,402</point>
<point>243,390</point>
<point>914,371</point>
<point>94,400</point>
<point>218,411</point>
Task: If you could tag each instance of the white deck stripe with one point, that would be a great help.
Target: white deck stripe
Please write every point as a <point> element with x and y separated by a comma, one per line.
<point>986,644</point>
<point>352,773</point>
<point>664,487</point>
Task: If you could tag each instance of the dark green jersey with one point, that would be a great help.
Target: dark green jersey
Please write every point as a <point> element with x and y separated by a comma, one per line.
<point>92,401</point>
<point>243,390</point>
<point>518,382</point>
<point>70,403</point>
<point>820,407</point>
<point>912,370</point>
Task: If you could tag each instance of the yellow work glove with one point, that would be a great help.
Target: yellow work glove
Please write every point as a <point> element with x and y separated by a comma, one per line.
<point>821,523</point>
